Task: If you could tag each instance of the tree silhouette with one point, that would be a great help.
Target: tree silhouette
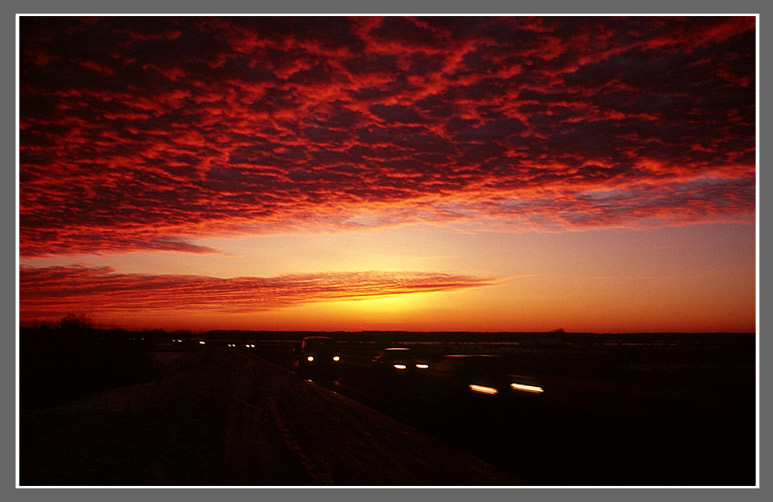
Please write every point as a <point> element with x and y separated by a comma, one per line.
<point>75,323</point>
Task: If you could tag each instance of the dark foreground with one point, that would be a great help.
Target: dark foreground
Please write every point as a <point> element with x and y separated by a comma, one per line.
<point>234,412</point>
<point>228,418</point>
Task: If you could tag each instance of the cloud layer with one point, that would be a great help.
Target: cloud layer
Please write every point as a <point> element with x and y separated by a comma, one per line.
<point>141,133</point>
<point>52,291</point>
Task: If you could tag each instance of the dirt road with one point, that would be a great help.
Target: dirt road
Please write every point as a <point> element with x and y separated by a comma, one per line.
<point>224,418</point>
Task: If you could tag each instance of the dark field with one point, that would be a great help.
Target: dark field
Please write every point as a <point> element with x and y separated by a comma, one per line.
<point>617,410</point>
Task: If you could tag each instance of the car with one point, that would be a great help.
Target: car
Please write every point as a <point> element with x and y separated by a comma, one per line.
<point>399,361</point>
<point>317,357</point>
<point>484,375</point>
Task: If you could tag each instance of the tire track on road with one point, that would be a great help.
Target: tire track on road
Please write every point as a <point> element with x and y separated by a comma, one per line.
<point>263,406</point>
<point>319,473</point>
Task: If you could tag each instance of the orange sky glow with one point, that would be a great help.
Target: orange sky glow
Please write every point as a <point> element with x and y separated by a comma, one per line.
<point>591,174</point>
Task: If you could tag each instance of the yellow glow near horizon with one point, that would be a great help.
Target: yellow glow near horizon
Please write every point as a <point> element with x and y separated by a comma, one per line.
<point>691,279</point>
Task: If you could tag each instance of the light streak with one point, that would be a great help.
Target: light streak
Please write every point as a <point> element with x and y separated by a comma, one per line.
<point>527,388</point>
<point>482,389</point>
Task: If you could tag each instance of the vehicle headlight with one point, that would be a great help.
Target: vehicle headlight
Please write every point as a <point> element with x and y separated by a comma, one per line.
<point>399,366</point>
<point>534,389</point>
<point>422,366</point>
<point>310,358</point>
<point>482,389</point>
<point>336,358</point>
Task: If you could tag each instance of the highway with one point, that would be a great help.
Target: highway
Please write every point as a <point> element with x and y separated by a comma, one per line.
<point>240,412</point>
<point>230,418</point>
<point>575,432</point>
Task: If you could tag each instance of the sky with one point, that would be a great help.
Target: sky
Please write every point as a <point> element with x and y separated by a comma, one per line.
<point>326,173</point>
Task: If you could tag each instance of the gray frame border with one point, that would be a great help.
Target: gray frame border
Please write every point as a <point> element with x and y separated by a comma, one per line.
<point>8,247</point>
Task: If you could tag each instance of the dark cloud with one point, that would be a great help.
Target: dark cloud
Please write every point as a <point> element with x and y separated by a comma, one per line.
<point>399,114</point>
<point>411,32</point>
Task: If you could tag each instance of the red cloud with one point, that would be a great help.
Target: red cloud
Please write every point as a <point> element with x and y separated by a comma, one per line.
<point>141,133</point>
<point>57,291</point>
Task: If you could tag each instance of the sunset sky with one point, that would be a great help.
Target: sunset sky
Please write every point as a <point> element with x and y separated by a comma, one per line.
<point>478,173</point>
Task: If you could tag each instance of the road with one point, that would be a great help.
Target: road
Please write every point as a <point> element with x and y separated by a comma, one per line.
<point>228,418</point>
<point>580,431</point>
<point>221,416</point>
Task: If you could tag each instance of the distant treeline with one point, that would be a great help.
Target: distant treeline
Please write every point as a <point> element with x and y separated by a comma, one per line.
<point>544,339</point>
<point>553,338</point>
